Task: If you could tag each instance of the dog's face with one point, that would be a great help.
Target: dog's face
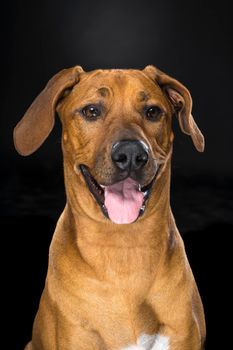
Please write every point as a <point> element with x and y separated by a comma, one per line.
<point>116,132</point>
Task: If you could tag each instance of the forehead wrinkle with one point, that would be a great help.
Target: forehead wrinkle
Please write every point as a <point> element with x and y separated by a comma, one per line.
<point>143,96</point>
<point>104,91</point>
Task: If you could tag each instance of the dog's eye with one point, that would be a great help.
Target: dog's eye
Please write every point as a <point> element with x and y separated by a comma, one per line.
<point>153,113</point>
<point>91,112</point>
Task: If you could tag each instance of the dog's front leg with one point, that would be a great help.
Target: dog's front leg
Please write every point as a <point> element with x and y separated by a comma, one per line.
<point>180,314</point>
<point>170,338</point>
<point>66,337</point>
<point>60,328</point>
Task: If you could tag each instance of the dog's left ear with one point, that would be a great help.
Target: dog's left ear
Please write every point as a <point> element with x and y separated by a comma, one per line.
<point>181,100</point>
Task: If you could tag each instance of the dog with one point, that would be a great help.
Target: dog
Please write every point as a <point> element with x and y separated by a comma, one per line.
<point>118,276</point>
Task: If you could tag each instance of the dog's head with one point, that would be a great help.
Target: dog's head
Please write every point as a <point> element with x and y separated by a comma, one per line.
<point>116,131</point>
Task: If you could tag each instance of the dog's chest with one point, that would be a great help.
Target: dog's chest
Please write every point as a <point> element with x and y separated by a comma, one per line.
<point>123,265</point>
<point>117,309</point>
<point>111,297</point>
<point>123,279</point>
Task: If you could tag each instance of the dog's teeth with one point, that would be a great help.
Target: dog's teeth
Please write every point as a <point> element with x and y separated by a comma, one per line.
<point>139,187</point>
<point>102,186</point>
<point>143,208</point>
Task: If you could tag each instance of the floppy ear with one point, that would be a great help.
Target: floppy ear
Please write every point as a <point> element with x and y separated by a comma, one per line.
<point>181,100</point>
<point>38,121</point>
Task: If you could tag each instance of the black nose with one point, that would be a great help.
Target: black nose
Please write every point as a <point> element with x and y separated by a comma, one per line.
<point>129,155</point>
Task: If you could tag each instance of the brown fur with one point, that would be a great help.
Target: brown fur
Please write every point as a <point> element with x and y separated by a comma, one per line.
<point>107,284</point>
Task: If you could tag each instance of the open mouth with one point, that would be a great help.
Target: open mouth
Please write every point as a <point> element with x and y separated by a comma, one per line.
<point>123,202</point>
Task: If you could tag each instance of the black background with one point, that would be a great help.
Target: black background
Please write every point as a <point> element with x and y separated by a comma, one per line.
<point>189,40</point>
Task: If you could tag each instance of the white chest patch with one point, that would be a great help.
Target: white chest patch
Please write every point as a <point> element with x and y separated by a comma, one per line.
<point>150,342</point>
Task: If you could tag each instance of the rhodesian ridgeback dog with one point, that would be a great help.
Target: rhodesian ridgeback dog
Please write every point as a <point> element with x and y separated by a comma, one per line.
<point>118,276</point>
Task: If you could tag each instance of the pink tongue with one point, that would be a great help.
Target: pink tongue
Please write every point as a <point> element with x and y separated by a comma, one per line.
<point>123,201</point>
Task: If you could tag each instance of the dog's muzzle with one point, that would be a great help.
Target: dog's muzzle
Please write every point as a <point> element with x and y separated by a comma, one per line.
<point>123,201</point>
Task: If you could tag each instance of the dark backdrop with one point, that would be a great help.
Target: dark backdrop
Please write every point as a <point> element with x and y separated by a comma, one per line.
<point>189,40</point>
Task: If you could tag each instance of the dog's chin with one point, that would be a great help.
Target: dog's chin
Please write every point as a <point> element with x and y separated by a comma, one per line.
<point>122,202</point>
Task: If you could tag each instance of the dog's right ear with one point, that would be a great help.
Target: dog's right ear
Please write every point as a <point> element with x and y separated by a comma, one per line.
<point>38,121</point>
